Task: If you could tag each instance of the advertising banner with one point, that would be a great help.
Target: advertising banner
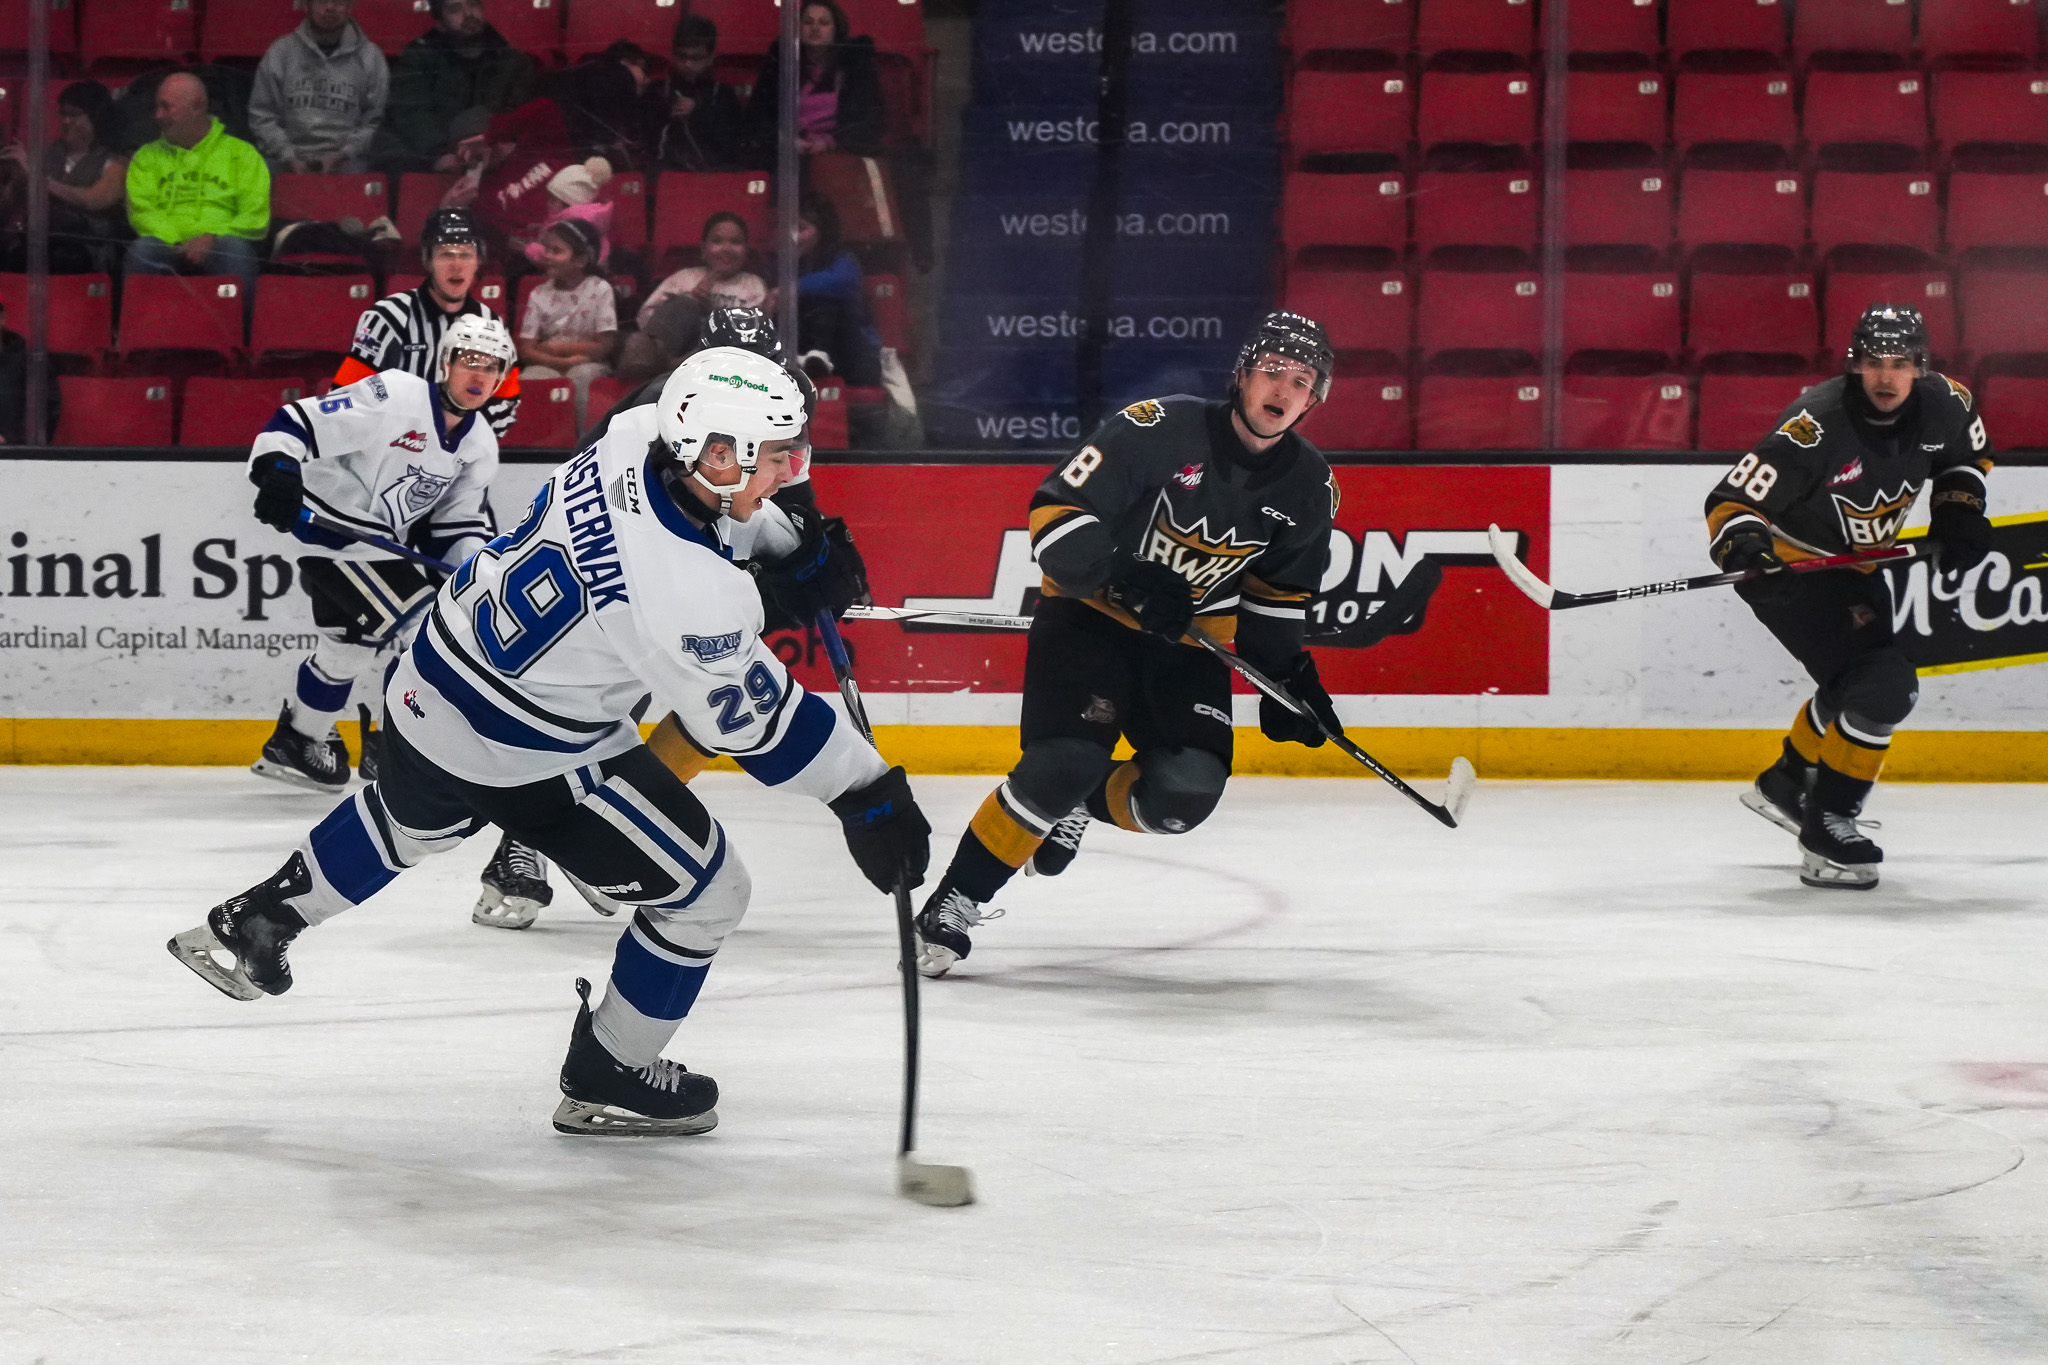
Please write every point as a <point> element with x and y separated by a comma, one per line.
<point>1994,616</point>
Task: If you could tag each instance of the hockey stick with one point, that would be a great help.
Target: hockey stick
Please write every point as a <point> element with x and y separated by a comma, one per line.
<point>925,1181</point>
<point>1555,599</point>
<point>377,543</point>
<point>1457,789</point>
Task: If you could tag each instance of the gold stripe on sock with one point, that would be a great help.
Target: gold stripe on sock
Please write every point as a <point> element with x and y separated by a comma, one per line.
<point>1117,794</point>
<point>1001,835</point>
<point>675,750</point>
<point>1806,741</point>
<point>1851,758</point>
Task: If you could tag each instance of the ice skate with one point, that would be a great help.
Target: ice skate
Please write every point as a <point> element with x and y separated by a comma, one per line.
<point>942,929</point>
<point>1836,853</point>
<point>598,900</point>
<point>1061,846</point>
<point>371,744</point>
<point>252,931</point>
<point>1781,791</point>
<point>602,1096</point>
<point>290,757</point>
<point>516,887</point>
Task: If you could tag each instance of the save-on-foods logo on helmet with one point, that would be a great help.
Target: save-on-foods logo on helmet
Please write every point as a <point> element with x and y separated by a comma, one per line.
<point>737,381</point>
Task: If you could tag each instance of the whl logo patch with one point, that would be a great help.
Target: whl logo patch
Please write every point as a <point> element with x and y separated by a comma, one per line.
<point>1848,473</point>
<point>1190,476</point>
<point>414,441</point>
<point>1867,526</point>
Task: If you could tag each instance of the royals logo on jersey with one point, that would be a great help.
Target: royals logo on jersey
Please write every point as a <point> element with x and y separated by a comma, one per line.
<point>1877,523</point>
<point>710,649</point>
<point>413,493</point>
<point>1191,551</point>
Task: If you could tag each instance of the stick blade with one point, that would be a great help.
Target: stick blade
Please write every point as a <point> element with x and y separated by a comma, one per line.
<point>1503,544</point>
<point>1458,788</point>
<point>929,1182</point>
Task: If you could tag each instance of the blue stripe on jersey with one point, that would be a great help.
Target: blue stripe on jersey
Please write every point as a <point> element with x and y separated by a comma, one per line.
<point>805,738</point>
<point>667,845</point>
<point>287,421</point>
<point>484,717</point>
<point>656,987</point>
<point>321,694</point>
<point>672,516</point>
<point>347,851</point>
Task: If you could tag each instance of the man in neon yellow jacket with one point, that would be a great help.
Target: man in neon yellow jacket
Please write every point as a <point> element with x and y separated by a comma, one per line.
<point>198,199</point>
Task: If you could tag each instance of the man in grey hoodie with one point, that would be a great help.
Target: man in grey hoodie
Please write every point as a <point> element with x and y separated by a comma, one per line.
<point>320,93</point>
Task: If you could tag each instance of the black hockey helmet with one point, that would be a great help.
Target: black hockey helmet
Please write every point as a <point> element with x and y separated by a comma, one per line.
<point>450,227</point>
<point>1293,337</point>
<point>751,329</point>
<point>1888,329</point>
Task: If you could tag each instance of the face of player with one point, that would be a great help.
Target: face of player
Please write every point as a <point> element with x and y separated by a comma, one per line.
<point>1887,380</point>
<point>473,377</point>
<point>719,466</point>
<point>452,270</point>
<point>725,250</point>
<point>1276,392</point>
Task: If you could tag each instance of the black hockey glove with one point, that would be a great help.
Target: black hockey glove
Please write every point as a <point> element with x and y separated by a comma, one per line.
<point>1153,593</point>
<point>1960,531</point>
<point>1283,726</point>
<point>886,833</point>
<point>280,492</point>
<point>1751,548</point>
<point>824,572</point>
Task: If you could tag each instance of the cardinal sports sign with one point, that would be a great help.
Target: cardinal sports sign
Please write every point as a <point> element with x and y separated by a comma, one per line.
<point>1409,574</point>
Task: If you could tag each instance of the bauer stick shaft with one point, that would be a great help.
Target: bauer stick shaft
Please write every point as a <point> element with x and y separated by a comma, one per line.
<point>1556,599</point>
<point>923,1181</point>
<point>1457,791</point>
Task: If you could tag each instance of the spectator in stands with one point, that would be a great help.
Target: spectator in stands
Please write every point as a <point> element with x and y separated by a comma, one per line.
<point>461,63</point>
<point>319,94</point>
<point>87,180</point>
<point>14,388</point>
<point>571,326</point>
<point>608,102</point>
<point>834,334</point>
<point>198,199</point>
<point>840,96</point>
<point>574,194</point>
<point>512,159</point>
<point>670,317</point>
<point>703,126</point>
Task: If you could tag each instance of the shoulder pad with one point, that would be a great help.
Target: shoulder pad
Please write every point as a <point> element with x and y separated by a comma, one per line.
<point>1956,388</point>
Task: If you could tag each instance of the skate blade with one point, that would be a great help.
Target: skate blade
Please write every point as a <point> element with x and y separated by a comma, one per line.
<point>598,900</point>
<point>292,777</point>
<point>1768,808</point>
<point>934,960</point>
<point>201,951</point>
<point>1818,871</point>
<point>928,1182</point>
<point>496,910</point>
<point>581,1118</point>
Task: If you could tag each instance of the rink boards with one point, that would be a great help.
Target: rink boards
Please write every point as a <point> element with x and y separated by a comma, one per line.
<point>146,617</point>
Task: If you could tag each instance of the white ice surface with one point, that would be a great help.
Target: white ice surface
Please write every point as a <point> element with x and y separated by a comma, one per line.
<point>1591,1080</point>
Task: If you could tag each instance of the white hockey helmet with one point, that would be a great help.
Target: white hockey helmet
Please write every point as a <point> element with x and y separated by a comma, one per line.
<point>479,332</point>
<point>725,394</point>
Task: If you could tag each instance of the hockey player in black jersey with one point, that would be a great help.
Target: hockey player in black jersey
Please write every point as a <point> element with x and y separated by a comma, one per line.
<point>1839,476</point>
<point>1176,516</point>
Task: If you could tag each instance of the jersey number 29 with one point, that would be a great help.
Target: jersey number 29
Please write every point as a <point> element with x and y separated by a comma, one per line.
<point>538,601</point>
<point>732,703</point>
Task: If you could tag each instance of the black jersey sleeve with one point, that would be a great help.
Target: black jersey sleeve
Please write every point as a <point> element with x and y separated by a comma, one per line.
<point>1074,512</point>
<point>1784,468</point>
<point>1272,612</point>
<point>1961,466</point>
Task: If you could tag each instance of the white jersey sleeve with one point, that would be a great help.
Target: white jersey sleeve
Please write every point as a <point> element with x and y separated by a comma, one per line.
<point>376,460</point>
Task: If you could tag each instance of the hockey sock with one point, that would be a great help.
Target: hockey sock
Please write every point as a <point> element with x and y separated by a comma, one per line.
<point>317,700</point>
<point>652,987</point>
<point>1856,748</point>
<point>355,852</point>
<point>1836,792</point>
<point>1807,729</point>
<point>1112,801</point>
<point>1000,838</point>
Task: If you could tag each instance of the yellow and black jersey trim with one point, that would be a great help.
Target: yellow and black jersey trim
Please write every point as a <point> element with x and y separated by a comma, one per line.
<point>1265,599</point>
<point>1056,520</point>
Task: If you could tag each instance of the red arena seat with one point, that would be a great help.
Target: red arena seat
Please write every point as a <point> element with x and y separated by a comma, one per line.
<point>1617,106</point>
<point>246,28</point>
<point>1613,26</point>
<point>1347,26</point>
<point>1703,25</point>
<point>137,30</point>
<point>1341,112</point>
<point>1475,26</point>
<point>2017,406</point>
<point>113,412</point>
<point>1362,310</point>
<point>1852,26</point>
<point>1973,28</point>
<point>1990,106</point>
<point>1479,310</point>
<point>1850,292</point>
<point>1625,412</point>
<point>391,24</point>
<point>230,412</point>
<point>1760,312</point>
<point>1889,208</point>
<point>626,192</point>
<point>1760,207</point>
<point>889,302</point>
<point>63,26</point>
<point>1866,106</point>
<point>1634,311</point>
<point>182,313</point>
<point>1368,407</point>
<point>1629,207</point>
<point>1464,412</point>
<point>1465,106</point>
<point>894,25</point>
<point>1738,410</point>
<point>535,26</point>
<point>326,198</point>
<point>419,194</point>
<point>1368,209</point>
<point>547,415</point>
<point>81,317</point>
<point>1986,208</point>
<point>1740,106</point>
<point>684,199</point>
<point>2002,310</point>
<point>308,318</point>
<point>1475,208</point>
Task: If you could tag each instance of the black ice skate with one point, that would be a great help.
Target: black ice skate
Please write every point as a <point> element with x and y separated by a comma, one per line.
<point>1061,846</point>
<point>516,887</point>
<point>942,929</point>
<point>1781,791</point>
<point>252,931</point>
<point>602,1096</point>
<point>1836,853</point>
<point>288,756</point>
<point>372,745</point>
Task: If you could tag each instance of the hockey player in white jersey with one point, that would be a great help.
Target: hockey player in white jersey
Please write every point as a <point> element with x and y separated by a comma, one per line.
<point>514,707</point>
<point>395,456</point>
